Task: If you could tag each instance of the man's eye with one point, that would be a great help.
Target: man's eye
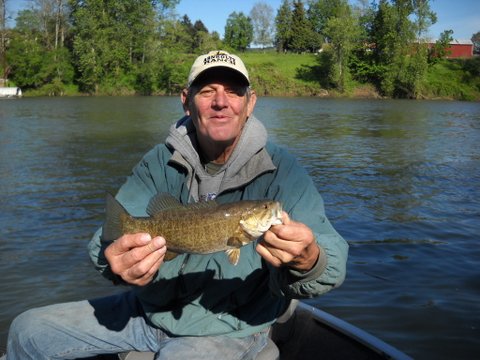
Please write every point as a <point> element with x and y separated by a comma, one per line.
<point>234,92</point>
<point>206,92</point>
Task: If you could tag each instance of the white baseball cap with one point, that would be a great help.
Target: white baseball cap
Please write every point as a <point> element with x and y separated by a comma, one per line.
<point>217,58</point>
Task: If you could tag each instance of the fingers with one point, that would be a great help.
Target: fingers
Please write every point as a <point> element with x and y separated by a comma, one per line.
<point>136,257</point>
<point>129,241</point>
<point>143,272</point>
<point>140,249</point>
<point>276,250</point>
<point>292,244</point>
<point>281,253</point>
<point>265,253</point>
<point>291,237</point>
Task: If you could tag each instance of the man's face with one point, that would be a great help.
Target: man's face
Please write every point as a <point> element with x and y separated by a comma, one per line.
<point>219,109</point>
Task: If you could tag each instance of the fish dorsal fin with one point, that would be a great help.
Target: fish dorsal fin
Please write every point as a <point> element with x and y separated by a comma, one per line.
<point>165,201</point>
<point>162,202</point>
<point>202,205</point>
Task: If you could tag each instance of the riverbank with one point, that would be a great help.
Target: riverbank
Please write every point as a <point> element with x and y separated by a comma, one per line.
<point>291,75</point>
<point>276,74</point>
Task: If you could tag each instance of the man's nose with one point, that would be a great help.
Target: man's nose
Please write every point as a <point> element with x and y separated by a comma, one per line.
<point>220,100</point>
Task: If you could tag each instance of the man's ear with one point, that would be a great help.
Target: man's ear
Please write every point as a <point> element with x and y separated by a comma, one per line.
<point>184,97</point>
<point>251,103</point>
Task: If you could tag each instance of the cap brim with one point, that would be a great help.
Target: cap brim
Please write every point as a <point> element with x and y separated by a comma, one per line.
<point>220,73</point>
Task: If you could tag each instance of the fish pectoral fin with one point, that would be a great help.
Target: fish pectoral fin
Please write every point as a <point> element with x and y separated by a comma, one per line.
<point>233,255</point>
<point>170,255</point>
<point>235,242</point>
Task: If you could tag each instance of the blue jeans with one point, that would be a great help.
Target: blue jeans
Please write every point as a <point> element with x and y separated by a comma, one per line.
<point>112,325</point>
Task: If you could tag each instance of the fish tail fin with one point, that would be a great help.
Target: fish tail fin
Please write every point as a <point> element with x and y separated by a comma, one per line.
<point>112,227</point>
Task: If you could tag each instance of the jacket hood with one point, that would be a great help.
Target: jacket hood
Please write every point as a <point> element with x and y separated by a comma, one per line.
<point>248,160</point>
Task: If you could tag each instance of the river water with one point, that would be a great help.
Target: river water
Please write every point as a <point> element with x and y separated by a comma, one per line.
<point>400,180</point>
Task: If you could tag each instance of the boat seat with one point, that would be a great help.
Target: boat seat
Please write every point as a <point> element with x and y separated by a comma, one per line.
<point>269,352</point>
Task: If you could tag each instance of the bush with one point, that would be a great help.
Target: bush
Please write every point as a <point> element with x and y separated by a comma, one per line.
<point>452,79</point>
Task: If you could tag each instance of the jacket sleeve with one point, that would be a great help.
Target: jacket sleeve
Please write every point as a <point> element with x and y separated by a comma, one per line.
<point>294,188</point>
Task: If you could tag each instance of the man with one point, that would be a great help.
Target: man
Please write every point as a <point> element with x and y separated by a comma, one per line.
<point>199,306</point>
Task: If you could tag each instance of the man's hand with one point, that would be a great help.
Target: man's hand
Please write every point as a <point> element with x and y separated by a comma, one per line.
<point>291,243</point>
<point>136,257</point>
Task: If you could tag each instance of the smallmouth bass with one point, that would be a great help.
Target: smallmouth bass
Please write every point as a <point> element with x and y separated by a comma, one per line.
<point>197,228</point>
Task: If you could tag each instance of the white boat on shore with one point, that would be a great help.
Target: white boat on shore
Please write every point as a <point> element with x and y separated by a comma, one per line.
<point>10,92</point>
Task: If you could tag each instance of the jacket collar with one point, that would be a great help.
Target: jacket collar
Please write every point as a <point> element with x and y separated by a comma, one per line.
<point>248,160</point>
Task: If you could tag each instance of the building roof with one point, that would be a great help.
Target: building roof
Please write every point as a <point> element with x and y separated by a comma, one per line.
<point>461,42</point>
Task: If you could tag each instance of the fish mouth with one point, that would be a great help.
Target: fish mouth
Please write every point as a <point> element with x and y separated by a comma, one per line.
<point>277,214</point>
<point>258,225</point>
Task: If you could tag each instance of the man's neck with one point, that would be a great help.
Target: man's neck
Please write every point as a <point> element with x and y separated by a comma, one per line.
<point>217,153</point>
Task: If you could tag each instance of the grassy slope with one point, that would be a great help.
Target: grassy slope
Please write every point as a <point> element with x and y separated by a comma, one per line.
<point>449,79</point>
<point>278,75</point>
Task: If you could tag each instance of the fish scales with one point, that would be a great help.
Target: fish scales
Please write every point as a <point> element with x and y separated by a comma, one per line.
<point>190,231</point>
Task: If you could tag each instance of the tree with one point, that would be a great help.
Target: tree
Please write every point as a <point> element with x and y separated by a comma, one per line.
<point>202,38</point>
<point>424,17</point>
<point>112,38</point>
<point>283,27</point>
<point>164,7</point>
<point>3,14</point>
<point>343,32</point>
<point>200,26</point>
<point>190,33</point>
<point>238,31</point>
<point>34,64</point>
<point>301,31</point>
<point>261,15</point>
<point>476,42</point>
<point>3,39</point>
<point>319,12</point>
<point>439,50</point>
<point>37,53</point>
<point>52,16</point>
<point>196,37</point>
<point>400,60</point>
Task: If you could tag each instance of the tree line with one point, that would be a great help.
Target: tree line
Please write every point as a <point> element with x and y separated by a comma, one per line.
<point>144,47</point>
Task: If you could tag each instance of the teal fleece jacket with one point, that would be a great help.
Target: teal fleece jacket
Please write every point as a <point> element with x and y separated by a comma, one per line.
<point>205,295</point>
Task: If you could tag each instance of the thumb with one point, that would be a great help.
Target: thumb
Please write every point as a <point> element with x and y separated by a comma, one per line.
<point>286,219</point>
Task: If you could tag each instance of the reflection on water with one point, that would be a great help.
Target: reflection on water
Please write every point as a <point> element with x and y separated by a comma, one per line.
<point>400,180</point>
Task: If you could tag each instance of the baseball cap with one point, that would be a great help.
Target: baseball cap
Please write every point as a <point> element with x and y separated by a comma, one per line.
<point>217,58</point>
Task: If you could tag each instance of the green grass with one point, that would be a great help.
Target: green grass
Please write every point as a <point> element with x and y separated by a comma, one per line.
<point>290,75</point>
<point>457,79</point>
<point>287,64</point>
<point>278,74</point>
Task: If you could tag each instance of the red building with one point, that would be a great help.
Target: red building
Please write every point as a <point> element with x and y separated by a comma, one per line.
<point>460,49</point>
